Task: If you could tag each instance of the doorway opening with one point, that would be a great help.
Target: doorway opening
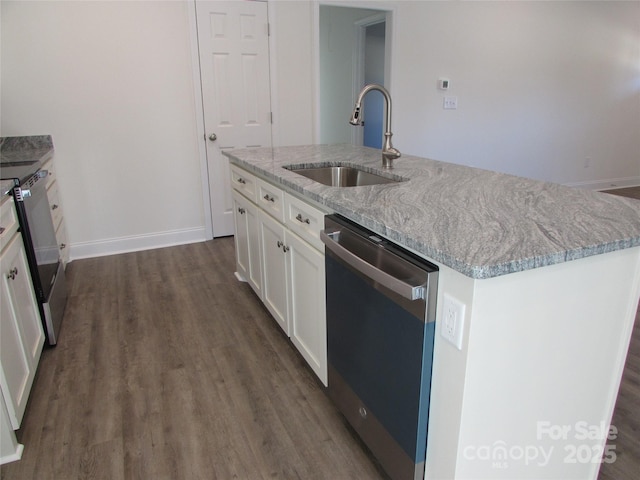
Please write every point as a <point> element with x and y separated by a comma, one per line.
<point>354,50</point>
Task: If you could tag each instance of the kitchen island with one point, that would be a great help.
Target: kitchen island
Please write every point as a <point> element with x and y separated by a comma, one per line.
<point>550,276</point>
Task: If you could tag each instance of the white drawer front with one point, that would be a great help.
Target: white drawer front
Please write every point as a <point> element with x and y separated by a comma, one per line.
<point>8,221</point>
<point>243,182</point>
<point>305,220</point>
<point>271,199</point>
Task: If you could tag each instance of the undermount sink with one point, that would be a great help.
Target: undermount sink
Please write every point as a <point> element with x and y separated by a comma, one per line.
<point>341,176</point>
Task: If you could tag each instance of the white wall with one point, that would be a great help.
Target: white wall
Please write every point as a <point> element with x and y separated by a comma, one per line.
<point>293,73</point>
<point>541,87</point>
<point>544,88</point>
<point>112,83</point>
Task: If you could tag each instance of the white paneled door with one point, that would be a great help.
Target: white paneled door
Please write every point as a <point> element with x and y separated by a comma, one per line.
<point>234,70</point>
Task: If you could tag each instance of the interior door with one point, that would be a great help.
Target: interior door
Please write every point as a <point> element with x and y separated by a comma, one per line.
<point>234,71</point>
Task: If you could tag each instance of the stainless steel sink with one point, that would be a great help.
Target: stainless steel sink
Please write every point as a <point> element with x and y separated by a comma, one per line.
<point>342,176</point>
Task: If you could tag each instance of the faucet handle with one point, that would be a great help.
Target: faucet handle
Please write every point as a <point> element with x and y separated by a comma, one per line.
<point>355,116</point>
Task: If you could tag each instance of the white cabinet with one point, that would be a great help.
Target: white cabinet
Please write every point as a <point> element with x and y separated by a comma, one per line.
<point>291,261</point>
<point>308,322</point>
<point>275,268</point>
<point>21,332</point>
<point>248,264</point>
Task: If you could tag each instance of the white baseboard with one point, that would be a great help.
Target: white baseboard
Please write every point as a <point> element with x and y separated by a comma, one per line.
<point>607,184</point>
<point>135,243</point>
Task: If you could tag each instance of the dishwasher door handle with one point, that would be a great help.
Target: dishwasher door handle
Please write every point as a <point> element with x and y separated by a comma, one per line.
<point>410,292</point>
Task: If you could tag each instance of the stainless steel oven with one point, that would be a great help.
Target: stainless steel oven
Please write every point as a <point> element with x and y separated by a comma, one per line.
<point>380,334</point>
<point>42,250</point>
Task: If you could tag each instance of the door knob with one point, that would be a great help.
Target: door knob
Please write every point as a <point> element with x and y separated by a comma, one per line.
<point>213,137</point>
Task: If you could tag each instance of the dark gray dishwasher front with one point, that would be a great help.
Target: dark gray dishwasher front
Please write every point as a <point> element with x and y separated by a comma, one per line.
<point>380,331</point>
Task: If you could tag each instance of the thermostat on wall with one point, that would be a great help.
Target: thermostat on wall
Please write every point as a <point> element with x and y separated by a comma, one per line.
<point>443,83</point>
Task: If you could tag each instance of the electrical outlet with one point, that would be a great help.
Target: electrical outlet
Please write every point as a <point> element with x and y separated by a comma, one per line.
<point>452,320</point>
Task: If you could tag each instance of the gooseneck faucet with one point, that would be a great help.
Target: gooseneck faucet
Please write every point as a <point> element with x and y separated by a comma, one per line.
<point>388,152</point>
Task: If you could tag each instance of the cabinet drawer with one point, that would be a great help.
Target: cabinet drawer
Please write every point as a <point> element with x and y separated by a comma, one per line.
<point>305,220</point>
<point>8,221</point>
<point>54,203</point>
<point>244,182</point>
<point>271,199</point>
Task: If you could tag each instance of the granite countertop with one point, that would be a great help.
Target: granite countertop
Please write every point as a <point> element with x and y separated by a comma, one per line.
<point>25,149</point>
<point>480,223</point>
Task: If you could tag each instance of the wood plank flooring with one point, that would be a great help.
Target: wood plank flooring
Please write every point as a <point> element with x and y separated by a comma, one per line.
<point>631,192</point>
<point>169,368</point>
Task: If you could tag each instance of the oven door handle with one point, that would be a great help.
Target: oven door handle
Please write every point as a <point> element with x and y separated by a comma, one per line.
<point>411,292</point>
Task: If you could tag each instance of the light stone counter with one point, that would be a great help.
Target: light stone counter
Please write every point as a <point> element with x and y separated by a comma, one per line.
<point>481,223</point>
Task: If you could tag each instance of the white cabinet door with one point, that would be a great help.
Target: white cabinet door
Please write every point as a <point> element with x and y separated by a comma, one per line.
<point>247,242</point>
<point>241,236</point>
<point>307,300</point>
<point>234,71</point>
<point>274,267</point>
<point>21,332</point>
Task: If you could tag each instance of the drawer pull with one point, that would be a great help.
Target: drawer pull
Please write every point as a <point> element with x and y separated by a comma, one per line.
<point>241,210</point>
<point>54,206</point>
<point>269,198</point>
<point>280,244</point>
<point>242,180</point>
<point>302,220</point>
<point>13,273</point>
<point>63,246</point>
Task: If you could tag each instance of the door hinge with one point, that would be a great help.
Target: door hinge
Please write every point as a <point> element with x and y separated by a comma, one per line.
<point>271,117</point>
<point>268,29</point>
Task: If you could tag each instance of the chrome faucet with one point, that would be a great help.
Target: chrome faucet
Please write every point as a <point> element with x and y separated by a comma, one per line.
<point>388,152</point>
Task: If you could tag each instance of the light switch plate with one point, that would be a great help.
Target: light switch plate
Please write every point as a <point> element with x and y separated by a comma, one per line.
<point>450,103</point>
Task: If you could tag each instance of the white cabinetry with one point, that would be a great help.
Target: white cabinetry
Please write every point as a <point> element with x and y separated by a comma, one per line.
<point>291,262</point>
<point>248,264</point>
<point>307,314</point>
<point>275,267</point>
<point>21,332</point>
<point>53,196</point>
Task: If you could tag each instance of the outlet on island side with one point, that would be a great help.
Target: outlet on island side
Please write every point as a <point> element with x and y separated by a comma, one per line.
<point>452,320</point>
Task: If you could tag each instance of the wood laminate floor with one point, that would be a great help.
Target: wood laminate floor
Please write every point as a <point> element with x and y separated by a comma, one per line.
<point>631,192</point>
<point>169,368</point>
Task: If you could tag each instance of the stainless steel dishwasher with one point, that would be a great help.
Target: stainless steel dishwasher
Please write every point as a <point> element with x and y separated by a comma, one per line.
<point>380,331</point>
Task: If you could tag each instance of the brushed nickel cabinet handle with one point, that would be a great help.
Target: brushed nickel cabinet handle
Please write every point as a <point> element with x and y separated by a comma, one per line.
<point>13,273</point>
<point>301,220</point>
<point>213,137</point>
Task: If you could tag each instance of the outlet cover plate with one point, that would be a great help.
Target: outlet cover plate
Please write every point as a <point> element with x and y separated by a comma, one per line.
<point>452,327</point>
